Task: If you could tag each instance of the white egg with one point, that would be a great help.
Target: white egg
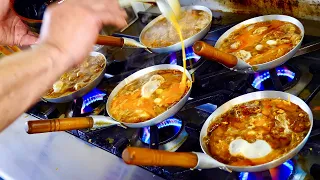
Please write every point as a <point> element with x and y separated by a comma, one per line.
<point>271,42</point>
<point>243,55</point>
<point>57,86</point>
<point>151,86</point>
<point>258,149</point>
<point>157,78</point>
<point>259,47</point>
<point>259,30</point>
<point>235,45</point>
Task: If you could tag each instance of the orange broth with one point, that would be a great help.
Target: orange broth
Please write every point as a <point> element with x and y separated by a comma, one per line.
<point>129,106</point>
<point>283,125</point>
<point>262,42</point>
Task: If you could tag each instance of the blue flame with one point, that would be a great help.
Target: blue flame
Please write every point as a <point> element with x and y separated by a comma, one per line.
<point>262,76</point>
<point>89,98</point>
<point>168,122</point>
<point>285,171</point>
<point>189,56</point>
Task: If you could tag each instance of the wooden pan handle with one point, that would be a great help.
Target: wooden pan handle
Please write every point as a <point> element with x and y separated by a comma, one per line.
<point>150,157</point>
<point>41,126</point>
<point>110,41</point>
<point>210,53</point>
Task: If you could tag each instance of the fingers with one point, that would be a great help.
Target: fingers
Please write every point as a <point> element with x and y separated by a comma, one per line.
<point>28,39</point>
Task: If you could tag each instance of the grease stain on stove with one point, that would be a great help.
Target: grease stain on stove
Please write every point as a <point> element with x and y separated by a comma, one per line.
<point>110,140</point>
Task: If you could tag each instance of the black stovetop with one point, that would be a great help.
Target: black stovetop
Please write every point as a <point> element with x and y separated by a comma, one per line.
<point>213,86</point>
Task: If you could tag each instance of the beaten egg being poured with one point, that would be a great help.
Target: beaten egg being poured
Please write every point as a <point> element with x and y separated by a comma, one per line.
<point>172,17</point>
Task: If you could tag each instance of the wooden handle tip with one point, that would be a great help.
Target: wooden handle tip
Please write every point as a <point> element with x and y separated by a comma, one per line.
<point>197,46</point>
<point>27,127</point>
<point>127,156</point>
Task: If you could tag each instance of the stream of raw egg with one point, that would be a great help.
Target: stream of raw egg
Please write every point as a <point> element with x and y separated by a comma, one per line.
<point>175,5</point>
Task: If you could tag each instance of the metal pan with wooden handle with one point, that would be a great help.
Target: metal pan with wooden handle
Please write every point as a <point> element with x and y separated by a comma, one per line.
<point>121,42</point>
<point>198,160</point>
<point>131,43</point>
<point>63,124</point>
<point>67,124</point>
<point>205,50</point>
<point>82,91</point>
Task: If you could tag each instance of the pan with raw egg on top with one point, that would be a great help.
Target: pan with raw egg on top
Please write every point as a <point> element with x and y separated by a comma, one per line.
<point>251,133</point>
<point>143,99</point>
<point>257,44</point>
<point>160,35</point>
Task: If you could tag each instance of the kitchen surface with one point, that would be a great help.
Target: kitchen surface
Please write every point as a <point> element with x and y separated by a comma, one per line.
<point>96,153</point>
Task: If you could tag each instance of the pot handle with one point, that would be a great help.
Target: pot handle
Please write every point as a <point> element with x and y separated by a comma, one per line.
<point>150,157</point>
<point>210,53</point>
<point>110,41</point>
<point>53,125</point>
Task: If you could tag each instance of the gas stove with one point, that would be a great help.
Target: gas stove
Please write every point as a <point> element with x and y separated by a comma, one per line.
<point>214,85</point>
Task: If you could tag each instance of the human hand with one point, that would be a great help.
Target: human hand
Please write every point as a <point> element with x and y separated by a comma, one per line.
<point>73,26</point>
<point>12,30</point>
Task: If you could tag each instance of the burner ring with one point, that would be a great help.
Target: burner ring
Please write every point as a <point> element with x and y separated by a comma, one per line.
<point>168,129</point>
<point>261,79</point>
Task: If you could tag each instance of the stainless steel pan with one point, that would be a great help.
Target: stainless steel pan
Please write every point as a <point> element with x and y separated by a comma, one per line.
<point>40,126</point>
<point>84,90</point>
<point>130,43</point>
<point>195,160</point>
<point>230,61</point>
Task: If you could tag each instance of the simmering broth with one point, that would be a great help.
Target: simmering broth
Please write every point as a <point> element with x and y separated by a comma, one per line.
<point>163,33</point>
<point>78,77</point>
<point>282,124</point>
<point>262,42</point>
<point>148,96</point>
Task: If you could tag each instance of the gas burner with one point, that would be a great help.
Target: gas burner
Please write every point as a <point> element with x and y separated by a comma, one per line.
<point>192,59</point>
<point>92,103</point>
<point>287,74</point>
<point>284,171</point>
<point>171,134</point>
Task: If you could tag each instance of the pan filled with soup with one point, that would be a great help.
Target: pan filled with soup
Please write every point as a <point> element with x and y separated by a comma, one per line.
<point>251,133</point>
<point>150,95</point>
<point>145,98</point>
<point>257,44</point>
<point>79,80</point>
<point>160,35</point>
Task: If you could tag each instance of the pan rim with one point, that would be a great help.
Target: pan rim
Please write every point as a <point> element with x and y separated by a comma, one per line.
<point>137,75</point>
<point>93,53</point>
<point>261,19</point>
<point>259,95</point>
<point>160,17</point>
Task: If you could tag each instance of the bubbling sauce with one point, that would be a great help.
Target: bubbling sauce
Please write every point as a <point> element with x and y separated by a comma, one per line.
<point>148,96</point>
<point>262,42</point>
<point>283,125</point>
